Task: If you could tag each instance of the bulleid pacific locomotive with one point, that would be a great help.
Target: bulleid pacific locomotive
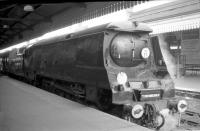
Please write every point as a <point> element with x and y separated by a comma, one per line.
<point>115,63</point>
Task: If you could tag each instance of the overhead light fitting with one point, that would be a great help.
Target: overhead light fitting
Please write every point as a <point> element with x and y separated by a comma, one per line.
<point>5,26</point>
<point>28,8</point>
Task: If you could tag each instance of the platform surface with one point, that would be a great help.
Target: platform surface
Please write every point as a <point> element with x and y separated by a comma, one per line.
<point>27,108</point>
<point>188,83</point>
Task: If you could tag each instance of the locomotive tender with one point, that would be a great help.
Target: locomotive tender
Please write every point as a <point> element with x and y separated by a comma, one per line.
<point>114,63</point>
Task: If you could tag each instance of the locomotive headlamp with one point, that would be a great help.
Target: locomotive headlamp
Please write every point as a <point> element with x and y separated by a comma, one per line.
<point>137,111</point>
<point>145,53</point>
<point>182,106</point>
<point>122,78</point>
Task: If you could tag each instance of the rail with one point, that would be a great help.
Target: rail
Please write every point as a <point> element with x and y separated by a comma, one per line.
<point>191,118</point>
<point>187,93</point>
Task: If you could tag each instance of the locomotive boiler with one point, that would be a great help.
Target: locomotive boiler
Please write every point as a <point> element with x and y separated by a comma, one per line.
<point>114,63</point>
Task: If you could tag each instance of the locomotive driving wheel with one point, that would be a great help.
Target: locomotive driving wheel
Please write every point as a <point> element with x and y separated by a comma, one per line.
<point>104,99</point>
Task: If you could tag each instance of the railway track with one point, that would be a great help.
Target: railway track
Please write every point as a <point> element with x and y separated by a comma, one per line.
<point>191,119</point>
<point>187,93</point>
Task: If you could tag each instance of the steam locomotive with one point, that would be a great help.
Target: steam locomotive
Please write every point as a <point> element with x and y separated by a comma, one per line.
<point>115,63</point>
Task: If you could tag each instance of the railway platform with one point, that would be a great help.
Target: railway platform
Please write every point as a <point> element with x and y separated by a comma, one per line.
<point>188,83</point>
<point>26,108</point>
<point>189,88</point>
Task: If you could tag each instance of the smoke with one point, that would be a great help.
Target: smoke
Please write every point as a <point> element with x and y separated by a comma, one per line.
<point>171,121</point>
<point>170,61</point>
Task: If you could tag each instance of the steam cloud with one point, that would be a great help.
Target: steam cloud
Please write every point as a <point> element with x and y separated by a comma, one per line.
<point>167,56</point>
<point>171,121</point>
